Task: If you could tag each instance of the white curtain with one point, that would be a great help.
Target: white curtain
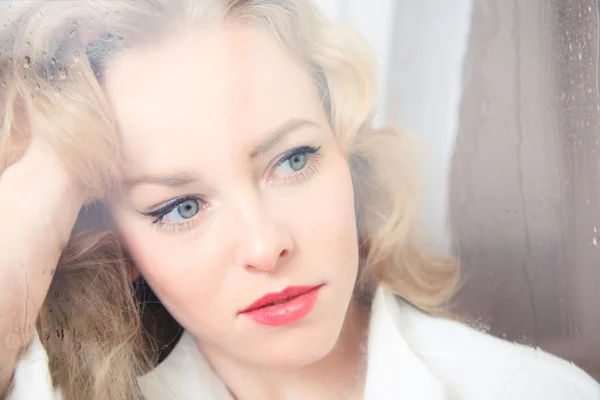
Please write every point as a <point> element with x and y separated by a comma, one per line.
<point>421,46</point>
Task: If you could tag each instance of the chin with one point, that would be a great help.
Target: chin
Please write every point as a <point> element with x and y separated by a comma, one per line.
<point>297,346</point>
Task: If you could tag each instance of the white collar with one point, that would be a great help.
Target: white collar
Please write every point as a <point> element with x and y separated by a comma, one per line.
<point>394,370</point>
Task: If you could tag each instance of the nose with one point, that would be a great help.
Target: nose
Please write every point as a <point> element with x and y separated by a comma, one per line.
<point>265,242</point>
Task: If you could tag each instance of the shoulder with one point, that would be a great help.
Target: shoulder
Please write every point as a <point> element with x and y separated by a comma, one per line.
<point>473,364</point>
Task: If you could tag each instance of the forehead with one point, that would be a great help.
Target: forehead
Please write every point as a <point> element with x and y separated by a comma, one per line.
<point>216,90</point>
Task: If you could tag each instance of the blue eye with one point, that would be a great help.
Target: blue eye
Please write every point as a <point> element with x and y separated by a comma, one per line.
<point>185,210</point>
<point>178,214</point>
<point>296,160</point>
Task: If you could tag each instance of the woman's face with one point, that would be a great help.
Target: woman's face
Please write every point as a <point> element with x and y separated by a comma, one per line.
<point>235,188</point>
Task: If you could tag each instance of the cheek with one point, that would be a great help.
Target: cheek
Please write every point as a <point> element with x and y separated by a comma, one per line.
<point>172,267</point>
<point>330,220</point>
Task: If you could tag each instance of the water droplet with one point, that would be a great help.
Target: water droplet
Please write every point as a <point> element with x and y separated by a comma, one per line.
<point>504,335</point>
<point>72,32</point>
<point>570,46</point>
<point>595,241</point>
<point>53,60</point>
<point>580,56</point>
<point>28,44</point>
<point>595,229</point>
<point>62,73</point>
<point>27,62</point>
<point>76,57</point>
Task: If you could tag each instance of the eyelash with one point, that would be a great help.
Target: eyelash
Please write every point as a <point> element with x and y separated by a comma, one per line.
<point>161,212</point>
<point>310,169</point>
<point>175,227</point>
<point>312,161</point>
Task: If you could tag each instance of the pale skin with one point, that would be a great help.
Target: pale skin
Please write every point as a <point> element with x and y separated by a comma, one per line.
<point>39,204</point>
<point>229,126</point>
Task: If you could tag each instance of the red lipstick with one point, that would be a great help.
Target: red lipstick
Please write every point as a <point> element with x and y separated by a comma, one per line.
<point>290,305</point>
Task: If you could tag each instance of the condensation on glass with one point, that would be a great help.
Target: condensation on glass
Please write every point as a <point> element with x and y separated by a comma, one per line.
<point>525,181</point>
<point>525,176</point>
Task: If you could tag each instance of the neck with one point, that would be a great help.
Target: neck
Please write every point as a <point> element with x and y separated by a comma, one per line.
<point>340,374</point>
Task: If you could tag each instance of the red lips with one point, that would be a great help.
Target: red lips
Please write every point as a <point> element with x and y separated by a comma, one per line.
<point>290,305</point>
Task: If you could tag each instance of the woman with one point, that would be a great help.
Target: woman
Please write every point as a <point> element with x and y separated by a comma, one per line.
<point>231,145</point>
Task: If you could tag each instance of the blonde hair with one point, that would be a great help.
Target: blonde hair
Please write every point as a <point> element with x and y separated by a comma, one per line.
<point>52,85</point>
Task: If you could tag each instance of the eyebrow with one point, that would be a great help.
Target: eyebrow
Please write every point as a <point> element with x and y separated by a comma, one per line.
<point>177,180</point>
<point>186,178</point>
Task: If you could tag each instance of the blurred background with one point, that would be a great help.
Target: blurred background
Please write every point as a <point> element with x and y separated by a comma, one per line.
<point>508,93</point>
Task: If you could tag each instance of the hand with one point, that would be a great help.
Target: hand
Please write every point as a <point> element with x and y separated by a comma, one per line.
<point>39,204</point>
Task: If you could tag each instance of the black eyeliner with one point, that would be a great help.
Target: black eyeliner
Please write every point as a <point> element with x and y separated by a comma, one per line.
<point>162,211</point>
<point>298,150</point>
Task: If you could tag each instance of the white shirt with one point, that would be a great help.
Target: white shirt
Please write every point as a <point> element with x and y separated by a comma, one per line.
<point>411,356</point>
